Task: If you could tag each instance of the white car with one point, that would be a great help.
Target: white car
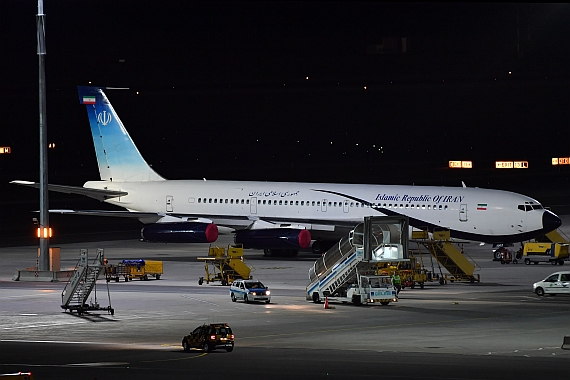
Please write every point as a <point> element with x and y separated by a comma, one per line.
<point>249,290</point>
<point>556,283</point>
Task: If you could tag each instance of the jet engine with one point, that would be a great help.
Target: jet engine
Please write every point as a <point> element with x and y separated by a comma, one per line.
<point>273,238</point>
<point>180,232</point>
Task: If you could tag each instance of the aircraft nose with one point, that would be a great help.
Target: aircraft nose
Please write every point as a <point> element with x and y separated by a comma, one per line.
<point>550,221</point>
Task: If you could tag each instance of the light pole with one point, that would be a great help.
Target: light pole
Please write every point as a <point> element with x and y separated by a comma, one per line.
<point>43,227</point>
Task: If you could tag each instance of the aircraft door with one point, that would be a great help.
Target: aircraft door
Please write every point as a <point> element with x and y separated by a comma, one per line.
<point>345,206</point>
<point>253,205</point>
<point>169,200</point>
<point>463,213</point>
<point>324,205</point>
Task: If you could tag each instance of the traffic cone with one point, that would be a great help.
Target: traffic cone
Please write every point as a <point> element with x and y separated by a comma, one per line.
<point>327,303</point>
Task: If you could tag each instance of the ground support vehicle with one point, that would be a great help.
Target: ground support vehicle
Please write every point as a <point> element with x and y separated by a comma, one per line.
<point>131,269</point>
<point>411,273</point>
<point>455,261</point>
<point>553,284</point>
<point>83,283</point>
<point>554,253</point>
<point>369,289</point>
<point>210,337</point>
<point>249,291</point>
<point>347,271</point>
<point>507,257</point>
<point>224,267</point>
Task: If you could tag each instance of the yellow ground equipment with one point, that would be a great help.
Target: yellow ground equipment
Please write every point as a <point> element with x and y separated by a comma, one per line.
<point>131,269</point>
<point>411,272</point>
<point>224,267</point>
<point>446,254</point>
<point>554,253</point>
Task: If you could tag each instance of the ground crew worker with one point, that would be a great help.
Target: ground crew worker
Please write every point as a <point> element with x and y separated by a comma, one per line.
<point>397,282</point>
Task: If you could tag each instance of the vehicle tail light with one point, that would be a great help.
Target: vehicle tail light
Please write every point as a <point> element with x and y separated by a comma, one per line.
<point>232,336</point>
<point>212,337</point>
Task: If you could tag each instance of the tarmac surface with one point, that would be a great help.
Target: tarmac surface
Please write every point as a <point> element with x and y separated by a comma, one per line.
<point>489,330</point>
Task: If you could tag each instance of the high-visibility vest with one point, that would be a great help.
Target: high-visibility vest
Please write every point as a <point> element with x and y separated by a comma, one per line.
<point>396,279</point>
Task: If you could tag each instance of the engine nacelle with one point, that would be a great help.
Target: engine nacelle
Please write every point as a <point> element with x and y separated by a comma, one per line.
<point>273,238</point>
<point>180,232</point>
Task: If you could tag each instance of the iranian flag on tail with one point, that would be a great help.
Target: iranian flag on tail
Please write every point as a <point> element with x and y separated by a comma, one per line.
<point>89,100</point>
<point>481,206</point>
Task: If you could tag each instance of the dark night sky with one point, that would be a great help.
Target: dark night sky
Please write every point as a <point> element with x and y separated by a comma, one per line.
<point>224,94</point>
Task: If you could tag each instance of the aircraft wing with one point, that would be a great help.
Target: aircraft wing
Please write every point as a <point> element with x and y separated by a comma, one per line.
<point>99,194</point>
<point>232,221</point>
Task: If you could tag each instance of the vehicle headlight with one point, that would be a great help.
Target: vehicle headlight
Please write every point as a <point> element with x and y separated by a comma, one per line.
<point>268,292</point>
<point>253,293</point>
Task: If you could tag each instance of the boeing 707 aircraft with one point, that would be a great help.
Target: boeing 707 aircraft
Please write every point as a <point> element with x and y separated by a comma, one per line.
<point>282,217</point>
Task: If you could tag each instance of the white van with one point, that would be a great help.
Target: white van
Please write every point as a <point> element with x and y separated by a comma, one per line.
<point>556,283</point>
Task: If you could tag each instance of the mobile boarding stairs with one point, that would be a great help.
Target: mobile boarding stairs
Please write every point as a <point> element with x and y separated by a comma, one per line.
<point>79,288</point>
<point>342,269</point>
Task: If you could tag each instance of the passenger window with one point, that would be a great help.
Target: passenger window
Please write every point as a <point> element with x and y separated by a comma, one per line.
<point>247,202</point>
<point>302,203</point>
<point>313,203</point>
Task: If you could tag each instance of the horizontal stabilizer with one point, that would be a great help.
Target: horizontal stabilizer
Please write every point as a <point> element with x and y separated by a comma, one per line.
<point>98,194</point>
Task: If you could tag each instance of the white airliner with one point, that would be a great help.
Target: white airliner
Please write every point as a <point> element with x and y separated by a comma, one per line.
<point>281,217</point>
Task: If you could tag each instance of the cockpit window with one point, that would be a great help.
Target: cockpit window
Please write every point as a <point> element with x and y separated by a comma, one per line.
<point>530,207</point>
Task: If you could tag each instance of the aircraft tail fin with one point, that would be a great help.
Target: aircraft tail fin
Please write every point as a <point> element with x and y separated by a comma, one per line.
<point>118,158</point>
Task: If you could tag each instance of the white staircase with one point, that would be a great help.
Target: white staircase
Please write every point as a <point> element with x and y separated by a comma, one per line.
<point>84,281</point>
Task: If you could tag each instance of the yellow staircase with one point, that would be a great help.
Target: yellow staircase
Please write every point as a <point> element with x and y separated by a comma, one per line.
<point>224,267</point>
<point>555,237</point>
<point>452,259</point>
